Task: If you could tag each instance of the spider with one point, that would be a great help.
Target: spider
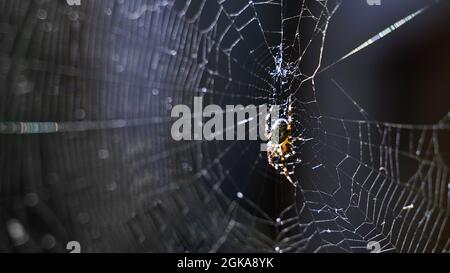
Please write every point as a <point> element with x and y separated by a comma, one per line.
<point>280,145</point>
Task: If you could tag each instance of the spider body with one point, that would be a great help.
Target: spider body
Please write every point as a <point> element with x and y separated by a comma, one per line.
<point>280,145</point>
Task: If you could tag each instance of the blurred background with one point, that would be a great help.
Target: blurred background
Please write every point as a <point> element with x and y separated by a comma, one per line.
<point>86,153</point>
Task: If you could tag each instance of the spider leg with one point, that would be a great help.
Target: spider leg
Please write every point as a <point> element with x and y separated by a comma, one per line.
<point>278,154</point>
<point>270,160</point>
<point>267,127</point>
<point>289,116</point>
<point>271,155</point>
<point>288,175</point>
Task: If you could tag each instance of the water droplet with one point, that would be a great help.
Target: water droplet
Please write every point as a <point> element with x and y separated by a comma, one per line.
<point>73,15</point>
<point>108,11</point>
<point>112,186</point>
<point>48,27</point>
<point>80,114</point>
<point>120,68</point>
<point>17,232</point>
<point>83,218</point>
<point>186,166</point>
<point>23,86</point>
<point>41,14</point>
<point>103,154</point>
<point>48,241</point>
<point>31,199</point>
<point>115,57</point>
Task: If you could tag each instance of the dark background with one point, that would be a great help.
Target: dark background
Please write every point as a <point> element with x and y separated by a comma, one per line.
<point>133,189</point>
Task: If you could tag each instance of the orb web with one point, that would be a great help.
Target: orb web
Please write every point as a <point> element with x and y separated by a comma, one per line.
<point>86,131</point>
